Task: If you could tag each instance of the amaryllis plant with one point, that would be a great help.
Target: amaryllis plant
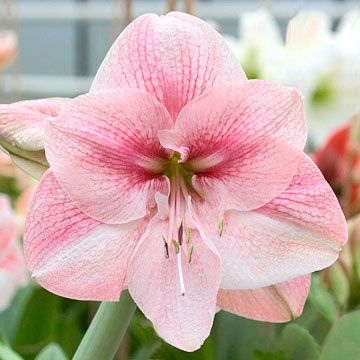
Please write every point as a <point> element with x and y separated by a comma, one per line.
<point>13,272</point>
<point>178,179</point>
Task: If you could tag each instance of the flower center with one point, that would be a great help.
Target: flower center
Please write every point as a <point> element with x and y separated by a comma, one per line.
<point>179,233</point>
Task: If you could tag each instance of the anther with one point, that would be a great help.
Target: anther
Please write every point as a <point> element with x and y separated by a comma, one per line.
<point>190,252</point>
<point>166,247</point>
<point>176,246</point>
<point>187,234</point>
<point>221,227</point>
<point>180,232</point>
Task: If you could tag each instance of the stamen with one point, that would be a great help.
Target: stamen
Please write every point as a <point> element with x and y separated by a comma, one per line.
<point>221,227</point>
<point>176,246</point>
<point>190,252</point>
<point>166,247</point>
<point>187,234</point>
<point>180,232</point>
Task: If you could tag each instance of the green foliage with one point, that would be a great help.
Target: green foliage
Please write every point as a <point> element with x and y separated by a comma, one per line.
<point>298,343</point>
<point>43,326</point>
<point>37,326</point>
<point>343,339</point>
<point>5,352</point>
<point>52,352</point>
<point>322,301</point>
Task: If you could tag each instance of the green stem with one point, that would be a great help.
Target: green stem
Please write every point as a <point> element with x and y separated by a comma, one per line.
<point>109,325</point>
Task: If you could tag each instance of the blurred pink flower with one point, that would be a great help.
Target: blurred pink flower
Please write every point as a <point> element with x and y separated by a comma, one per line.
<point>176,177</point>
<point>8,48</point>
<point>12,264</point>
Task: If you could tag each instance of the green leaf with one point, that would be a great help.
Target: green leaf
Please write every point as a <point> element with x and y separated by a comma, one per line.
<point>238,338</point>
<point>52,352</point>
<point>38,324</point>
<point>10,318</point>
<point>278,355</point>
<point>299,344</point>
<point>322,301</point>
<point>72,326</point>
<point>342,341</point>
<point>146,352</point>
<point>7,354</point>
<point>339,284</point>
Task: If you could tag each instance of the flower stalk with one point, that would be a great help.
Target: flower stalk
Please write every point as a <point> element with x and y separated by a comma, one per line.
<point>107,329</point>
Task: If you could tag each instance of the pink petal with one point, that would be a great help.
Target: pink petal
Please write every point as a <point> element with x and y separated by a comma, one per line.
<point>104,150</point>
<point>22,124</point>
<point>300,231</point>
<point>71,254</point>
<point>275,303</point>
<point>174,58</point>
<point>14,265</point>
<point>13,274</point>
<point>8,228</point>
<point>242,141</point>
<point>183,321</point>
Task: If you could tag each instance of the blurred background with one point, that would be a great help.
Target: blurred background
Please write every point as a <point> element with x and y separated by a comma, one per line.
<point>54,47</point>
<point>62,42</point>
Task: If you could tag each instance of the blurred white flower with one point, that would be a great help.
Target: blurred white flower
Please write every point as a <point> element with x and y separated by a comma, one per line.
<point>322,64</point>
<point>260,45</point>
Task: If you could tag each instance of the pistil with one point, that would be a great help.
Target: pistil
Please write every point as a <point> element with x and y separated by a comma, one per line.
<point>177,228</point>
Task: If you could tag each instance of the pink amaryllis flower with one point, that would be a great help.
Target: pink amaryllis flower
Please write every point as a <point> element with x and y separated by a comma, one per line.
<point>179,179</point>
<point>12,263</point>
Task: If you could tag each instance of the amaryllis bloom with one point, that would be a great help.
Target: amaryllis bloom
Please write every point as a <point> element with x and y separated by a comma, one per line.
<point>177,178</point>
<point>8,48</point>
<point>12,263</point>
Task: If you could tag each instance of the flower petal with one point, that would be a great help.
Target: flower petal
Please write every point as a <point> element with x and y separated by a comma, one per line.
<point>22,127</point>
<point>242,141</point>
<point>13,274</point>
<point>22,124</point>
<point>14,265</point>
<point>104,151</point>
<point>300,231</point>
<point>71,254</point>
<point>174,58</point>
<point>183,321</point>
<point>275,303</point>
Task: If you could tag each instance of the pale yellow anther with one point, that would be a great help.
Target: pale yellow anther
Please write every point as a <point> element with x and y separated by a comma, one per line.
<point>166,247</point>
<point>190,252</point>
<point>187,234</point>
<point>221,227</point>
<point>176,246</point>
